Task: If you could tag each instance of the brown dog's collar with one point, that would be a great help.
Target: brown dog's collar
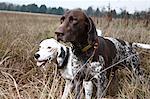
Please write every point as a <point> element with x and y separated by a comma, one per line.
<point>86,48</point>
<point>89,46</point>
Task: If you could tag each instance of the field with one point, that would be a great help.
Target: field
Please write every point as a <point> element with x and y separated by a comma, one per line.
<point>20,78</point>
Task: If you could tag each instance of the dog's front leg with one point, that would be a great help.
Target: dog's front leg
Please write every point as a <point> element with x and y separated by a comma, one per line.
<point>88,88</point>
<point>68,87</point>
<point>101,85</point>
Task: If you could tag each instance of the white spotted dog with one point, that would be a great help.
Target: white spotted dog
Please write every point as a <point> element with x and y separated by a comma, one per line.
<point>52,51</point>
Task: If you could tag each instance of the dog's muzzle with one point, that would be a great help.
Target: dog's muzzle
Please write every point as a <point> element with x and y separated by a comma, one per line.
<point>41,63</point>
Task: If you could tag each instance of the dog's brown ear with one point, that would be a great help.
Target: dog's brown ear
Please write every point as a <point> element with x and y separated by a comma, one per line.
<point>92,33</point>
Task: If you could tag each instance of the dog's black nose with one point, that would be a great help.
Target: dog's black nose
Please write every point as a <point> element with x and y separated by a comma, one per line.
<point>36,56</point>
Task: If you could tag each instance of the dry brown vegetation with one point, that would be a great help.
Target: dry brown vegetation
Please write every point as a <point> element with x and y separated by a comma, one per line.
<point>20,78</point>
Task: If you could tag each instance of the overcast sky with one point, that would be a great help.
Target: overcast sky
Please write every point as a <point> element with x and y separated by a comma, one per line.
<point>130,5</point>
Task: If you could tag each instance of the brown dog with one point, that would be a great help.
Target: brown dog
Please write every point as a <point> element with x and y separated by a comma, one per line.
<point>76,27</point>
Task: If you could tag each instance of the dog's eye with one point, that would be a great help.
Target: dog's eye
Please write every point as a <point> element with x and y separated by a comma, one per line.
<point>49,47</point>
<point>73,20</point>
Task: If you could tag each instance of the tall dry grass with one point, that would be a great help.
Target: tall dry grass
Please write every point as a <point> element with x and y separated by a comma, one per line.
<point>20,78</point>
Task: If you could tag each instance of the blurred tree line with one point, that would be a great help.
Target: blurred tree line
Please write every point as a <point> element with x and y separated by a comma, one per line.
<point>31,8</point>
<point>103,12</point>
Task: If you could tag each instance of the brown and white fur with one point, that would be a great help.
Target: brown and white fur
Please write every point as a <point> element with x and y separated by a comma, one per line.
<point>79,29</point>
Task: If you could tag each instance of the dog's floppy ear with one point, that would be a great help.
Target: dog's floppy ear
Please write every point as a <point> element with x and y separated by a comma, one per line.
<point>92,33</point>
<point>60,57</point>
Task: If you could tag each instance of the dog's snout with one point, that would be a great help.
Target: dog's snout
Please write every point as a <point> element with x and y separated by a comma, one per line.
<point>59,33</point>
<point>36,56</point>
<point>60,30</point>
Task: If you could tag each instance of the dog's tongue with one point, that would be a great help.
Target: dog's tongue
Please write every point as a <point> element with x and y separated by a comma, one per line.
<point>40,63</point>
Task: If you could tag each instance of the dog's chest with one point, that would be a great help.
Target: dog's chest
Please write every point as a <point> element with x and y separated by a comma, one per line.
<point>87,69</point>
<point>72,68</point>
<point>76,65</point>
<point>76,68</point>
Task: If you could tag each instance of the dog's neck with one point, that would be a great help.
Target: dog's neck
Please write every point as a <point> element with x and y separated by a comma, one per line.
<point>79,45</point>
<point>82,49</point>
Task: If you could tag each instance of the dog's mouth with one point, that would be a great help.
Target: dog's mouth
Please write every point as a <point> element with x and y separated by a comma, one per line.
<point>41,63</point>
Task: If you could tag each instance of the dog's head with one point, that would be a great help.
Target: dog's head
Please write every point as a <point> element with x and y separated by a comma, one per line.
<point>50,51</point>
<point>76,26</point>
